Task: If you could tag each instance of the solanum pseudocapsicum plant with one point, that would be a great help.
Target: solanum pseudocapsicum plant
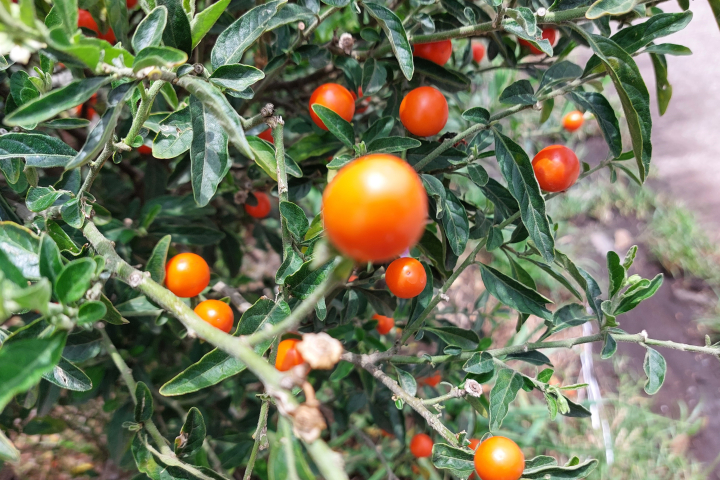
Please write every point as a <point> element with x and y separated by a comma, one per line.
<point>86,285</point>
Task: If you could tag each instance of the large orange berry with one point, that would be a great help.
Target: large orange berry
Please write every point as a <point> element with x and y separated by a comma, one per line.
<point>187,274</point>
<point>437,52</point>
<point>573,120</point>
<point>556,167</point>
<point>421,445</point>
<point>216,313</point>
<point>375,208</point>
<point>335,97</point>
<point>424,111</point>
<point>406,277</point>
<point>288,355</point>
<point>478,50</point>
<point>499,458</point>
<point>548,34</point>
<point>266,135</point>
<point>384,325</point>
<point>262,208</point>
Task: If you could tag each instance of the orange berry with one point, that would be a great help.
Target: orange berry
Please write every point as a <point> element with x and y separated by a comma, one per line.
<point>335,97</point>
<point>406,277</point>
<point>187,274</point>
<point>385,324</point>
<point>424,111</point>
<point>216,313</point>
<point>262,209</point>
<point>288,355</point>
<point>421,445</point>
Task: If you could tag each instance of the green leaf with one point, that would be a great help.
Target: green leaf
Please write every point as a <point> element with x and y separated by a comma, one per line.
<point>265,158</point>
<point>532,357</point>
<point>380,128</point>
<point>201,24</point>
<point>525,18</point>
<point>460,337</point>
<point>633,94</point>
<point>436,190</point>
<point>337,3</point>
<point>112,315</point>
<point>101,134</point>
<point>41,198</point>
<point>217,365</point>
<point>177,32</point>
<point>303,282</point>
<point>449,80</point>
<point>519,93</point>
<point>74,280</point>
<point>242,33</point>
<point>37,150</point>
<point>480,362</point>
<point>514,294</point>
<point>297,221</point>
<point>158,259</point>
<point>605,115</point>
<point>477,115</point>
<point>458,460</point>
<point>71,213</point>
<point>22,88</point>
<point>290,265</point>
<point>67,375</point>
<point>192,434</point>
<point>21,247</point>
<point>150,30</point>
<point>58,100</point>
<point>392,145</point>
<point>291,14</point>
<point>174,135</point>
<point>166,57</point>
<point>505,203</point>
<point>117,18</point>
<point>24,363</point>
<point>8,452</point>
<point>91,312</point>
<point>143,403</point>
<point>568,316</point>
<point>644,290</point>
<point>236,77</point>
<point>507,385</point>
<point>407,381</point>
<point>609,347</point>
<point>50,260</point>
<point>669,49</point>
<point>337,125</point>
<point>514,28</point>
<point>616,273</point>
<point>342,370</point>
<point>215,102</point>
<point>67,13</point>
<point>209,157</point>
<point>455,223</point>
<point>554,472</point>
<point>610,7</point>
<point>374,76</point>
<point>478,175</point>
<point>558,73</point>
<point>662,85</point>
<point>494,239</point>
<point>518,171</point>
<point>395,32</point>
<point>66,123</point>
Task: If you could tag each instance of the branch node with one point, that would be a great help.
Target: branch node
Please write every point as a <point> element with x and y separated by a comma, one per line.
<point>541,12</point>
<point>135,279</point>
<point>267,110</point>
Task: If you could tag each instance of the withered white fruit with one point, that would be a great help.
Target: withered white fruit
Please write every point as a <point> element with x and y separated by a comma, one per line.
<point>320,350</point>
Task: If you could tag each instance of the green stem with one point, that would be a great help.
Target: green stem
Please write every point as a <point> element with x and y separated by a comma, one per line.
<point>143,112</point>
<point>127,377</point>
<point>260,435</point>
<point>278,140</point>
<point>329,463</point>
<point>287,443</point>
<point>95,167</point>
<point>454,393</point>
